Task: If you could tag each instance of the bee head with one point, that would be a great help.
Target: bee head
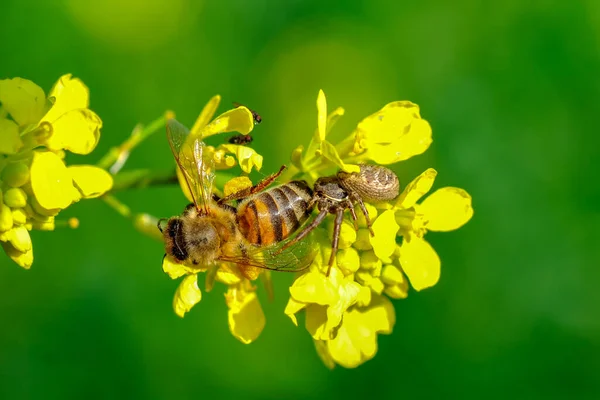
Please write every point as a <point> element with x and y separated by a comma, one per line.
<point>202,241</point>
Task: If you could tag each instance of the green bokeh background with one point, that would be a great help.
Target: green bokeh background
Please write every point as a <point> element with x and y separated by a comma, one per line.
<point>512,93</point>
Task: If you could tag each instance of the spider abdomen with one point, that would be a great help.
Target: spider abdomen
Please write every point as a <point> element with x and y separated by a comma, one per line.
<point>373,183</point>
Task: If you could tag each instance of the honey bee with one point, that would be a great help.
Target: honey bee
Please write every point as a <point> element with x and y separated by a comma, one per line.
<point>248,234</point>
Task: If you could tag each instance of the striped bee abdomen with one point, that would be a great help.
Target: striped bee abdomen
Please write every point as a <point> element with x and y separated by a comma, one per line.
<point>273,215</point>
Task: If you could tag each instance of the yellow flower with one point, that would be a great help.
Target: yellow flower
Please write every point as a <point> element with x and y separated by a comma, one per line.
<point>395,133</point>
<point>356,338</point>
<point>446,209</point>
<point>34,135</point>
<point>345,311</point>
<point>245,316</point>
<point>224,156</point>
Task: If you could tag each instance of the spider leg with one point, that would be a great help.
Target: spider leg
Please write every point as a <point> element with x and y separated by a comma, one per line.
<point>305,231</point>
<point>365,212</point>
<point>253,189</point>
<point>353,214</point>
<point>339,217</point>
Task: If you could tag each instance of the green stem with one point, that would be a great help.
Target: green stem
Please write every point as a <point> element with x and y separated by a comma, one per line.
<point>142,178</point>
<point>119,154</point>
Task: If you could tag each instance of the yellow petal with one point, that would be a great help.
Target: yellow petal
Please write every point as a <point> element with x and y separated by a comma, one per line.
<point>10,141</point>
<point>51,182</point>
<point>292,308</point>
<point>348,260</point>
<point>237,120</point>
<point>385,229</point>
<point>394,133</point>
<point>321,116</point>
<point>247,157</point>
<point>420,263</point>
<point>236,184</point>
<point>246,317</point>
<point>356,341</point>
<point>91,181</point>
<point>416,189</point>
<point>316,322</point>
<point>323,353</point>
<point>348,294</point>
<point>22,259</point>
<point>333,117</point>
<point>205,115</point>
<point>77,131</point>
<point>69,94</point>
<point>188,294</point>
<point>175,269</point>
<point>329,152</point>
<point>228,275</point>
<point>314,287</point>
<point>447,209</point>
<point>24,100</point>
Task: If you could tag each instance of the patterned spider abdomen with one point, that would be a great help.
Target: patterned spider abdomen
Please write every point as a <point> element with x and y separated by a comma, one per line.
<point>373,183</point>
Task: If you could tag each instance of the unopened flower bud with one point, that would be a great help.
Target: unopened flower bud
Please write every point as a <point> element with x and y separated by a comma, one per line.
<point>15,174</point>
<point>6,219</point>
<point>348,260</point>
<point>20,239</point>
<point>15,198</point>
<point>362,240</point>
<point>19,216</point>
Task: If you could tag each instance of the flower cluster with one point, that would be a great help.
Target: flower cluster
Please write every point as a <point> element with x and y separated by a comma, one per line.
<point>35,183</point>
<point>245,315</point>
<point>345,311</point>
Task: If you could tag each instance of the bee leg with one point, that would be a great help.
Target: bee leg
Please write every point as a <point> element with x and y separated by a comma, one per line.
<point>305,231</point>
<point>339,217</point>
<point>253,189</point>
<point>361,204</point>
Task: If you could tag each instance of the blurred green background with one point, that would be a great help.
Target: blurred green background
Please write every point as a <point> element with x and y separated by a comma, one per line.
<point>512,92</point>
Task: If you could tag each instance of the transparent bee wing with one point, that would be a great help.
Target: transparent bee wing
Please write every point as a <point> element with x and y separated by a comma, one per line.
<point>193,162</point>
<point>295,258</point>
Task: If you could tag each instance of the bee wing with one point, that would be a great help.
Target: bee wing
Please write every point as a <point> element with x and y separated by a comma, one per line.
<point>295,258</point>
<point>196,168</point>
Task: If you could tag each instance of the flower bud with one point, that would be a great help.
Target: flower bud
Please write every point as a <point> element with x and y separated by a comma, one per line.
<point>23,259</point>
<point>19,216</point>
<point>398,291</point>
<point>364,297</point>
<point>15,198</point>
<point>391,275</point>
<point>15,174</point>
<point>347,234</point>
<point>369,261</point>
<point>348,260</point>
<point>20,239</point>
<point>363,241</point>
<point>6,219</point>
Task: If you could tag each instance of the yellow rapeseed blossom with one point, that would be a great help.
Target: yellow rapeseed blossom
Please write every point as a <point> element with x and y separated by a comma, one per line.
<point>345,311</point>
<point>35,182</point>
<point>227,155</point>
<point>245,315</point>
<point>348,308</point>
